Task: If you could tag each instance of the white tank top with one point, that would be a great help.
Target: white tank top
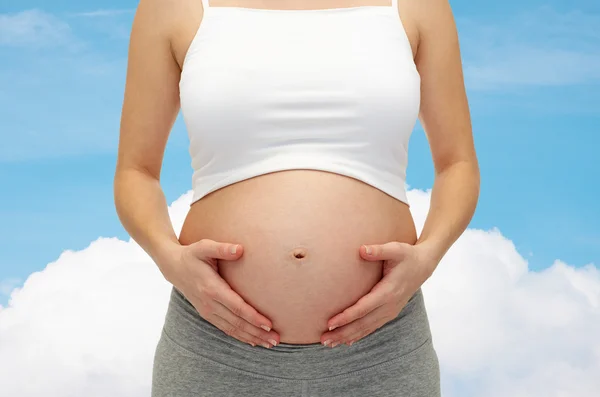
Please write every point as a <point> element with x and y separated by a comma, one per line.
<point>266,90</point>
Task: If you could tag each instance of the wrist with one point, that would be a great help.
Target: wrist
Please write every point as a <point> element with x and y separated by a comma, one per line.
<point>430,254</point>
<point>166,256</point>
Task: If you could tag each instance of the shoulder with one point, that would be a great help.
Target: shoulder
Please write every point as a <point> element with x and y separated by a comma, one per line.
<point>164,17</point>
<point>428,18</point>
<point>426,12</point>
<point>434,17</point>
<point>170,23</point>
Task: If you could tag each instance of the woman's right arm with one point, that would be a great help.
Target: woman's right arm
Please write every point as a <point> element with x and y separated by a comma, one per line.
<point>150,107</point>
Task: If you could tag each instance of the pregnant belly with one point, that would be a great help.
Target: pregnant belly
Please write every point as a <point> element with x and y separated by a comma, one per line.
<point>301,231</point>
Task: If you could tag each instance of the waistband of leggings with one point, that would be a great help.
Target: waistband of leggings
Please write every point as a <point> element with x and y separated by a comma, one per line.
<point>399,337</point>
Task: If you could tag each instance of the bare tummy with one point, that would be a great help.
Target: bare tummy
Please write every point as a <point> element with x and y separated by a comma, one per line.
<point>301,231</point>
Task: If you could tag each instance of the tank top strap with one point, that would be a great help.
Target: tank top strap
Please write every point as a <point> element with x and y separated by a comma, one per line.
<point>394,4</point>
<point>205,4</point>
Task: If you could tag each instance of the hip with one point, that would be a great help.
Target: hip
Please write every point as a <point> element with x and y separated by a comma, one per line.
<point>195,358</point>
<point>401,340</point>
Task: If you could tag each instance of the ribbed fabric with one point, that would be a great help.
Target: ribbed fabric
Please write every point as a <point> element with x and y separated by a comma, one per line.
<point>266,90</point>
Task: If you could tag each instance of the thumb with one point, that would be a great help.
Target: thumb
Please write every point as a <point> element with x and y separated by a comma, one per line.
<point>207,249</point>
<point>389,251</point>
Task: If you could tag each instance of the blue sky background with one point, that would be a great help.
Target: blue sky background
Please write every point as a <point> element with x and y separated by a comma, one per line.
<point>532,71</point>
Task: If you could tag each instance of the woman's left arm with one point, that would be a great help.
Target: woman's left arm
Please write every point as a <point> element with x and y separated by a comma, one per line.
<point>444,114</point>
<point>446,120</point>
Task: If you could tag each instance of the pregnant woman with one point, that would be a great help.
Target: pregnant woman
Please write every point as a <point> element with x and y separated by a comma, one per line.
<point>298,270</point>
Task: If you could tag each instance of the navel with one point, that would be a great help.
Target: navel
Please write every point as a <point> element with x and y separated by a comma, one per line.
<point>299,253</point>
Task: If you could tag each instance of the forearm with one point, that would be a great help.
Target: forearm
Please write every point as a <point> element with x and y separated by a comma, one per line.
<point>453,202</point>
<point>142,209</point>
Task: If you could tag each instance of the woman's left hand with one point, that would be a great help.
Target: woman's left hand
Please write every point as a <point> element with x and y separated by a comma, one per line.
<point>405,268</point>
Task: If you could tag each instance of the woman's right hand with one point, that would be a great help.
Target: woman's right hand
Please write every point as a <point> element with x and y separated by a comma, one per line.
<point>195,275</point>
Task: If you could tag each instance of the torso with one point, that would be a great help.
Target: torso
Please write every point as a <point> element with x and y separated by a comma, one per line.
<point>301,230</point>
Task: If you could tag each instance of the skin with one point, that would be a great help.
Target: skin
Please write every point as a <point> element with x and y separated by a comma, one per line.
<point>159,41</point>
<point>445,117</point>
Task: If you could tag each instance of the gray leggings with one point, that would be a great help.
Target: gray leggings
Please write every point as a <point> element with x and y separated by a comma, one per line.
<point>195,358</point>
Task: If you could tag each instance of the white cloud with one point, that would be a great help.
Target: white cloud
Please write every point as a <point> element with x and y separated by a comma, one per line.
<point>537,48</point>
<point>88,323</point>
<point>33,28</point>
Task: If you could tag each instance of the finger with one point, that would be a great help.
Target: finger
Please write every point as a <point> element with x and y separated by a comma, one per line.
<point>243,325</point>
<point>360,336</point>
<point>210,249</point>
<point>378,296</point>
<point>238,306</point>
<point>380,320</point>
<point>355,328</point>
<point>389,251</point>
<point>235,332</point>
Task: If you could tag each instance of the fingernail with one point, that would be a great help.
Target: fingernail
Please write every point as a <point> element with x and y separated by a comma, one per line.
<point>233,249</point>
<point>368,249</point>
<point>265,328</point>
<point>332,327</point>
<point>266,345</point>
<point>328,341</point>
<point>335,344</point>
<point>273,342</point>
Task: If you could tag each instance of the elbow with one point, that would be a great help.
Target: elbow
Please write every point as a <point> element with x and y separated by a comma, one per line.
<point>467,165</point>
<point>129,181</point>
<point>119,182</point>
<point>124,183</point>
<point>470,174</point>
<point>471,177</point>
<point>464,172</point>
